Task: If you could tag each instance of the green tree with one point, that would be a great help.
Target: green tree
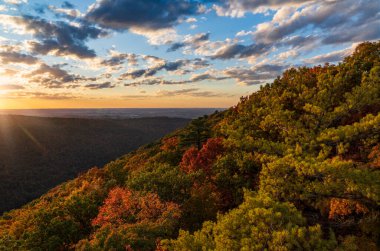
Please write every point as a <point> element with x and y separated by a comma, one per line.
<point>259,223</point>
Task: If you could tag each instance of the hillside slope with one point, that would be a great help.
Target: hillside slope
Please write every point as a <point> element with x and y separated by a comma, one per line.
<point>294,166</point>
<point>37,154</point>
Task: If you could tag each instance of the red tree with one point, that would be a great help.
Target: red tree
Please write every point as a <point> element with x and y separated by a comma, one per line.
<point>194,160</point>
<point>124,206</point>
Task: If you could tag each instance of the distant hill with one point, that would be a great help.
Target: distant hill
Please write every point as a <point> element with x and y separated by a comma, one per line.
<point>114,113</point>
<point>37,154</point>
<point>293,166</point>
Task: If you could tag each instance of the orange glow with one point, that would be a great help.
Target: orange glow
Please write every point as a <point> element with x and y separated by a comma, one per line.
<point>169,102</point>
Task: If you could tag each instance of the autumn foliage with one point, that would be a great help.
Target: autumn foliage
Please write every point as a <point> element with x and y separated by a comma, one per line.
<point>194,160</point>
<point>345,207</point>
<point>123,206</point>
<point>375,156</point>
<point>170,144</point>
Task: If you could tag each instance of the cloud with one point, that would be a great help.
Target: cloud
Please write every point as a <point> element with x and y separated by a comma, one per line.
<point>157,81</point>
<point>15,1</point>
<point>146,15</point>
<point>40,95</point>
<point>7,57</point>
<point>137,97</point>
<point>181,66</point>
<point>243,33</point>
<point>56,38</point>
<point>105,85</point>
<point>333,22</point>
<point>70,13</point>
<point>240,51</point>
<point>117,58</point>
<point>298,42</point>
<point>366,31</point>
<point>11,87</point>
<point>258,74</point>
<point>205,76</point>
<point>157,37</point>
<point>187,92</point>
<point>54,76</point>
<point>192,41</point>
<point>192,92</point>
<point>331,57</point>
<point>8,72</point>
<point>193,79</point>
<point>238,8</point>
<point>330,17</point>
<point>67,5</point>
<point>191,20</point>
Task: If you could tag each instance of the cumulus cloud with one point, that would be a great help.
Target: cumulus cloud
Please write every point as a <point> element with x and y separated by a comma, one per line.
<point>57,38</point>
<point>238,8</point>
<point>117,58</point>
<point>193,41</point>
<point>295,29</point>
<point>329,16</point>
<point>147,15</point>
<point>54,76</point>
<point>181,66</point>
<point>333,22</point>
<point>241,51</point>
<point>7,57</point>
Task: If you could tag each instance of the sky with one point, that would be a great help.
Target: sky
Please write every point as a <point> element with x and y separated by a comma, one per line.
<point>167,53</point>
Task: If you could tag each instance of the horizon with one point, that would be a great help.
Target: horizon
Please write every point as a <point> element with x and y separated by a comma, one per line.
<point>184,54</point>
<point>112,113</point>
<point>105,108</point>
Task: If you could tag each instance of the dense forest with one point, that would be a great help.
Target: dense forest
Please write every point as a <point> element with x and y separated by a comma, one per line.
<point>37,154</point>
<point>294,166</point>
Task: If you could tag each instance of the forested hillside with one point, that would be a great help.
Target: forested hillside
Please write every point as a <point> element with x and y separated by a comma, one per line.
<point>294,166</point>
<point>36,154</point>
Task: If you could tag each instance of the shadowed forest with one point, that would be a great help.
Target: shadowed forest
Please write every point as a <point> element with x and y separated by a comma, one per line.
<point>37,154</point>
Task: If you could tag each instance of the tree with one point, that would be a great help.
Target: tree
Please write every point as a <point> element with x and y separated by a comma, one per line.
<point>259,223</point>
<point>130,219</point>
<point>196,133</point>
<point>203,159</point>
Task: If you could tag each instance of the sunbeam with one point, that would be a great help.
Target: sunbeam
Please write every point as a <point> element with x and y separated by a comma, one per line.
<point>30,136</point>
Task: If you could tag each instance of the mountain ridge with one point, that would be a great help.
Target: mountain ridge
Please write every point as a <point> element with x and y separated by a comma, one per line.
<point>293,166</point>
